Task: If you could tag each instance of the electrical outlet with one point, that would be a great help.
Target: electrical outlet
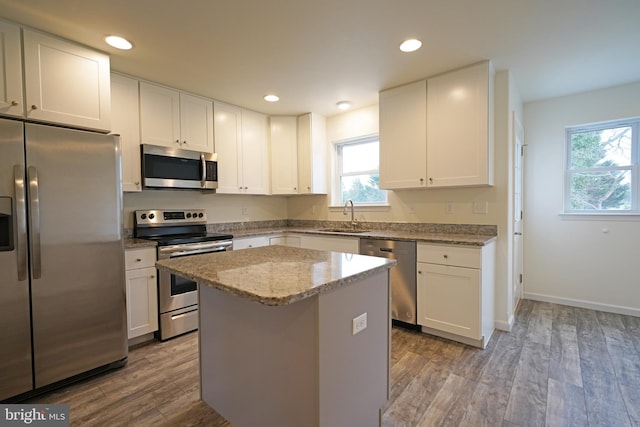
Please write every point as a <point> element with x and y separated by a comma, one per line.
<point>449,208</point>
<point>480,207</point>
<point>245,211</point>
<point>359,323</point>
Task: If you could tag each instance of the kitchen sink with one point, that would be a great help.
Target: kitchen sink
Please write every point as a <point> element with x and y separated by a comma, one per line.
<point>342,230</point>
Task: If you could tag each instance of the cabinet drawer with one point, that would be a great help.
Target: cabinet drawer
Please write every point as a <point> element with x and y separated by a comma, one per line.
<point>459,256</point>
<point>139,258</point>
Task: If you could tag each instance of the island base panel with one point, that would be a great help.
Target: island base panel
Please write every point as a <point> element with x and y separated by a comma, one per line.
<point>297,364</point>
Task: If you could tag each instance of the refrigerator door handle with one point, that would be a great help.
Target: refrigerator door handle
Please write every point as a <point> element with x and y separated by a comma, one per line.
<point>34,211</point>
<point>21,221</point>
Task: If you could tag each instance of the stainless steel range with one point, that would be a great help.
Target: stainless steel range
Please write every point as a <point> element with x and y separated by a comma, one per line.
<point>178,233</point>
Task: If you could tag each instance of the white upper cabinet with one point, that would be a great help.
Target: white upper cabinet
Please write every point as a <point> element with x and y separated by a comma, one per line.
<point>284,155</point>
<point>438,132</point>
<point>174,119</point>
<point>312,154</point>
<point>460,127</point>
<point>403,136</point>
<point>11,102</point>
<point>125,121</point>
<point>242,146</point>
<point>65,82</point>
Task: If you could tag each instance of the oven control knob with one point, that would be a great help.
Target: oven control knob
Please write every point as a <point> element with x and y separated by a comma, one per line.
<point>151,216</point>
<point>188,215</point>
<point>200,215</point>
<point>143,216</point>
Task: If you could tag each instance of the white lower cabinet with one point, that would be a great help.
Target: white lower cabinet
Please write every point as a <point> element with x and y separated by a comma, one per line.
<point>142,291</point>
<point>456,291</point>
<point>249,242</point>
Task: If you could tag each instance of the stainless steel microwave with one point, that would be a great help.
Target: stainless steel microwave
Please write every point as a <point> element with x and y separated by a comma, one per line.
<point>165,167</point>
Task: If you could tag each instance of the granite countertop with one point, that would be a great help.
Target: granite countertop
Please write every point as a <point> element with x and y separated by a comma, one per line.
<point>134,243</point>
<point>275,275</point>
<point>417,235</point>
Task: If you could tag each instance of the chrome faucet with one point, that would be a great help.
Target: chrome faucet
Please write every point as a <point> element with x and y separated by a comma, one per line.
<point>354,222</point>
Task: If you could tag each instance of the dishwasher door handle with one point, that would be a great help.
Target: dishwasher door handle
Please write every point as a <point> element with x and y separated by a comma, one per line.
<point>385,250</point>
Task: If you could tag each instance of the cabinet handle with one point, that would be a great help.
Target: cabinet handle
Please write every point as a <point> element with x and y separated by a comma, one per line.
<point>14,103</point>
<point>34,107</point>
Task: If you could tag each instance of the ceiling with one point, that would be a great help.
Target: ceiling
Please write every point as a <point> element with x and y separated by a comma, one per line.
<point>315,53</point>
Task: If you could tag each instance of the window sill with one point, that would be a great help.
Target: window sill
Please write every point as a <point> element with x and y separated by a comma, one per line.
<point>361,208</point>
<point>600,216</point>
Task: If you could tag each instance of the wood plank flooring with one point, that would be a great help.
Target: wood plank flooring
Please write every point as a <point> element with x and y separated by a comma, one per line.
<point>559,366</point>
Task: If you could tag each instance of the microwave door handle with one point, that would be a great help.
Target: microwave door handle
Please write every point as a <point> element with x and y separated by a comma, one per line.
<point>21,221</point>
<point>34,212</point>
<point>204,170</point>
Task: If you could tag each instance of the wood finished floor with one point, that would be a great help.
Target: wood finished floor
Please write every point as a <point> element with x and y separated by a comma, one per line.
<point>559,366</point>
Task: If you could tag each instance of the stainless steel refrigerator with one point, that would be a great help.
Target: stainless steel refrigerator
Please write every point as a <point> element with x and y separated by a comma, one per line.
<point>62,293</point>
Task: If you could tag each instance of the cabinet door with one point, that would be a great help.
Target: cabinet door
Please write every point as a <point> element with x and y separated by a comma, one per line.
<point>284,155</point>
<point>449,299</point>
<point>403,136</point>
<point>459,131</point>
<point>10,71</point>
<point>159,115</point>
<point>142,301</point>
<point>327,243</point>
<point>196,123</point>
<point>312,154</point>
<point>125,121</point>
<point>254,168</point>
<point>228,131</point>
<point>66,83</point>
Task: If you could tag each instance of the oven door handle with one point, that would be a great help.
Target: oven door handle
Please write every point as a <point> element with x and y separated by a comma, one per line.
<point>194,249</point>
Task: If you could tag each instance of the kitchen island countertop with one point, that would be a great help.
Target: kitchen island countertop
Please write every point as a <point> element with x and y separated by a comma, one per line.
<point>276,275</point>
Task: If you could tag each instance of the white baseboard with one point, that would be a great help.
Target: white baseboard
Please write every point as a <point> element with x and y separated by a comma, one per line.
<point>629,311</point>
<point>505,326</point>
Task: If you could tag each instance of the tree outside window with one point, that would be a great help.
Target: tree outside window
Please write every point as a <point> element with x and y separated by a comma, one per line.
<point>602,168</point>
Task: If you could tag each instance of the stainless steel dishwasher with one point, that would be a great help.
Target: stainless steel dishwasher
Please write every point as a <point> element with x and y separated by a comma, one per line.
<point>402,276</point>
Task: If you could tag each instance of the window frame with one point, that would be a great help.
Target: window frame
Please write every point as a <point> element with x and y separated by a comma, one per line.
<point>633,167</point>
<point>336,198</point>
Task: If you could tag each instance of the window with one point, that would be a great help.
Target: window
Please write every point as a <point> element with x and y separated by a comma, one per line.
<point>358,179</point>
<point>602,168</point>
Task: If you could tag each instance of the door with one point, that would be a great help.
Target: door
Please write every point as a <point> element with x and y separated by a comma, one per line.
<point>518,157</point>
<point>159,115</point>
<point>10,70</point>
<point>77,258</point>
<point>228,132</point>
<point>196,123</point>
<point>15,323</point>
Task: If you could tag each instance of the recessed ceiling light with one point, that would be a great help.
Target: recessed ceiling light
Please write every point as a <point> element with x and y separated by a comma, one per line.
<point>410,45</point>
<point>343,105</point>
<point>118,42</point>
<point>271,98</point>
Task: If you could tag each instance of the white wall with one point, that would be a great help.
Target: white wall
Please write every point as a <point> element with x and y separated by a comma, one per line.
<point>220,207</point>
<point>569,259</point>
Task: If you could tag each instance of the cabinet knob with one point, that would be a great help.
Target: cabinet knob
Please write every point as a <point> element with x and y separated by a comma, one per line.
<point>138,260</point>
<point>446,256</point>
<point>430,180</point>
<point>184,142</point>
<point>309,188</point>
<point>295,188</point>
<point>14,103</point>
<point>34,107</point>
<point>152,277</point>
<point>421,180</point>
<point>419,271</point>
<point>246,188</point>
<point>177,141</point>
<point>136,183</point>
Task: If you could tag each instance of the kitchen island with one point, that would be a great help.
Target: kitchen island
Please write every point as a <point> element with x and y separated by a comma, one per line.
<point>292,337</point>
